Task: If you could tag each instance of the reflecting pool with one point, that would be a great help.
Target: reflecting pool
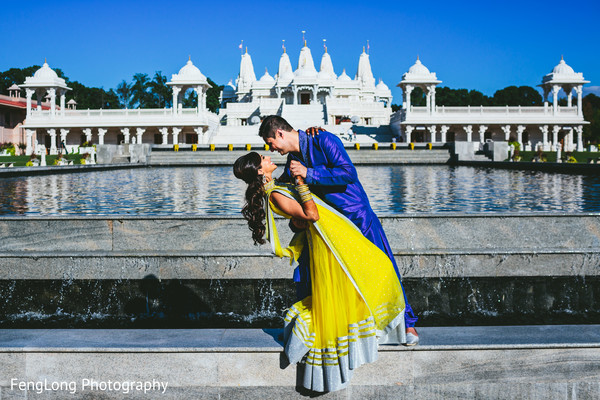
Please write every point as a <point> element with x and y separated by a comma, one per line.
<point>214,190</point>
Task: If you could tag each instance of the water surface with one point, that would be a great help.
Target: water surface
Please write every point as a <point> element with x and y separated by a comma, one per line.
<point>214,190</point>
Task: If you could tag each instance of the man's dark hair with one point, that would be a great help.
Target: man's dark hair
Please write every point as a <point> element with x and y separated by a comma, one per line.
<point>270,125</point>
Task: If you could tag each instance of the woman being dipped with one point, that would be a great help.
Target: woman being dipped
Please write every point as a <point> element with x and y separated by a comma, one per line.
<point>357,300</point>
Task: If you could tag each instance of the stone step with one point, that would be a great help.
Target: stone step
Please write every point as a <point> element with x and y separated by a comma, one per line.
<point>124,271</point>
<point>507,362</point>
<point>425,245</point>
<point>359,157</point>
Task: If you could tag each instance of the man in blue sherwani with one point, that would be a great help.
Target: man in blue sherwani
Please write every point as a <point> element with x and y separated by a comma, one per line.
<point>326,167</point>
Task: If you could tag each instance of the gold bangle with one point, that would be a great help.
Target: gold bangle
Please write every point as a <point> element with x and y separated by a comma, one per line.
<point>302,188</point>
<point>306,197</point>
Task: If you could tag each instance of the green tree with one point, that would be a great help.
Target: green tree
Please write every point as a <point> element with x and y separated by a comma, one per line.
<point>161,94</point>
<point>140,89</point>
<point>190,99</point>
<point>591,113</point>
<point>124,94</point>
<point>212,96</point>
<point>417,97</point>
<point>15,76</point>
<point>517,96</point>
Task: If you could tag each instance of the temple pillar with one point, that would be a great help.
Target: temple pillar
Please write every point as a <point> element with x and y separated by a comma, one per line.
<point>29,93</point>
<point>506,130</point>
<point>409,89</point>
<point>443,130</point>
<point>62,102</point>
<point>482,130</point>
<point>101,133</point>
<point>408,131</point>
<point>53,149</point>
<point>52,93</point>
<point>125,132</point>
<point>201,100</point>
<point>165,135</point>
<point>138,133</point>
<point>28,141</point>
<point>469,131</point>
<point>431,95</point>
<point>432,130</point>
<point>176,90</point>
<point>88,134</point>
<point>520,130</point>
<point>555,130</point>
<point>544,130</point>
<point>175,133</point>
<point>579,130</point>
<point>579,90</point>
<point>555,90</point>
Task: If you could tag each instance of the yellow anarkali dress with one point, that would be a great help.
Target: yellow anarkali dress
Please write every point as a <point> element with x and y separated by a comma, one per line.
<point>356,302</point>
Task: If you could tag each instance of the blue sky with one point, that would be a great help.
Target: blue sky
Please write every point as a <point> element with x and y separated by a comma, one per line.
<point>474,45</point>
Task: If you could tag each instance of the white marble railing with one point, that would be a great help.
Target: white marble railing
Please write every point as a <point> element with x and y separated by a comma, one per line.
<point>126,117</point>
<point>507,110</point>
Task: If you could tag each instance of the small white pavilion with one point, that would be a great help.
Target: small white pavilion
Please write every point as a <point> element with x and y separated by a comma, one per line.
<point>194,126</point>
<point>529,125</point>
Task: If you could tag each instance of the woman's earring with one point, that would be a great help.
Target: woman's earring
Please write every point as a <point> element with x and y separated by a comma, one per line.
<point>264,179</point>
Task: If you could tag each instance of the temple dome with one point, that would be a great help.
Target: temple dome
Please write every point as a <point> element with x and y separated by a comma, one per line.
<point>344,77</point>
<point>563,74</point>
<point>229,89</point>
<point>563,68</point>
<point>267,77</point>
<point>419,74</point>
<point>189,74</point>
<point>418,69</point>
<point>382,86</point>
<point>45,73</point>
<point>45,77</point>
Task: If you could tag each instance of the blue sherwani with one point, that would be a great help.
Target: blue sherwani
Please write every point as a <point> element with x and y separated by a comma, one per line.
<point>332,176</point>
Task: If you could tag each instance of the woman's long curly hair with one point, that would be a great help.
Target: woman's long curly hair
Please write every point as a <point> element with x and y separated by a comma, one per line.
<point>246,168</point>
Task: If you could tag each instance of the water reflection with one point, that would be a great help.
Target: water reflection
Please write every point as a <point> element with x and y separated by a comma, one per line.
<point>214,190</point>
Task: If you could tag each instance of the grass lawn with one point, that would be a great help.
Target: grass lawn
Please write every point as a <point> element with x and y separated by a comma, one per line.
<point>20,161</point>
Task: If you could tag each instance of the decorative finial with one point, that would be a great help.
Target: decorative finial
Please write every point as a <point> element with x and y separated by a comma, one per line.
<point>45,61</point>
<point>283,45</point>
<point>363,49</point>
<point>325,45</point>
<point>246,49</point>
<point>303,39</point>
<point>418,58</point>
<point>368,46</point>
<point>190,57</point>
<point>562,58</point>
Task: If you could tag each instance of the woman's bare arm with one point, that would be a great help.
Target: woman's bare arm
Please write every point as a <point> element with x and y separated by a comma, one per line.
<point>305,211</point>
